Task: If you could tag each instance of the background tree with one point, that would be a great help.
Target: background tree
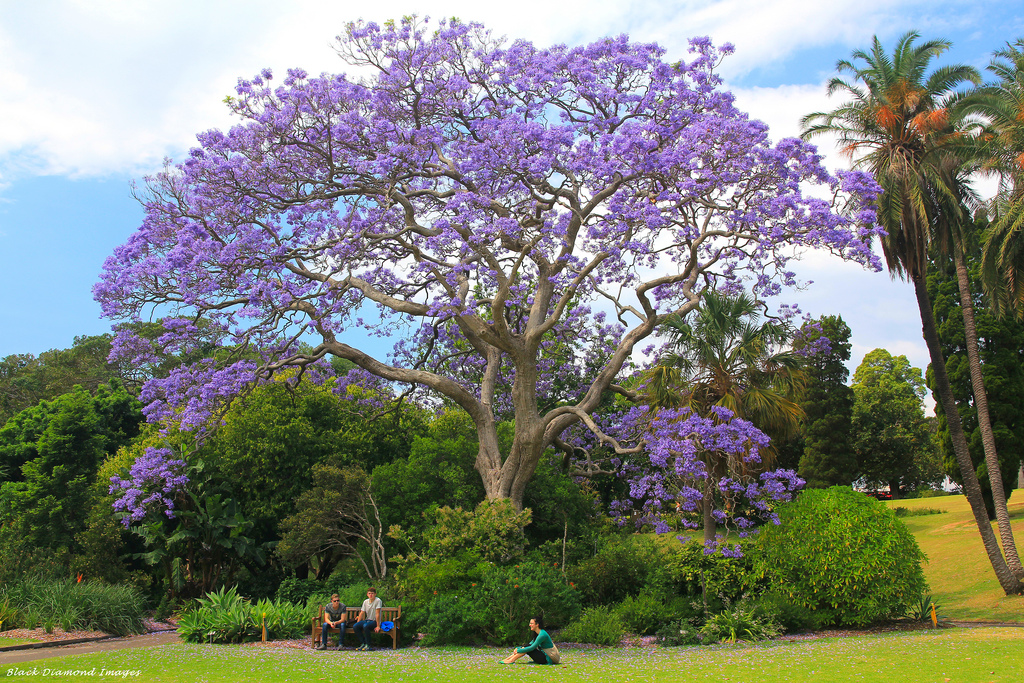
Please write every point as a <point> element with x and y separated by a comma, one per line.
<point>890,432</point>
<point>481,196</point>
<point>899,121</point>
<point>828,457</point>
<point>25,379</point>
<point>437,473</point>
<point>337,516</point>
<point>271,439</point>
<point>1001,345</point>
<point>52,452</point>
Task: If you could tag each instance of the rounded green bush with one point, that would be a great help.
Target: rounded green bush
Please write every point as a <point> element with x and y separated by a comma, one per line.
<point>843,556</point>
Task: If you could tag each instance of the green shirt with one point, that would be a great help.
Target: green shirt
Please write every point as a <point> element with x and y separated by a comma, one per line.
<point>541,642</point>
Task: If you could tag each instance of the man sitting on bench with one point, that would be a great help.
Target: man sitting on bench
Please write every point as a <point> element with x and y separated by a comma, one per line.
<point>334,617</point>
<point>367,623</point>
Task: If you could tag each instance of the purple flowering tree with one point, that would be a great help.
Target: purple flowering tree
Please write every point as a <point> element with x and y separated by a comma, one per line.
<point>521,218</point>
<point>699,467</point>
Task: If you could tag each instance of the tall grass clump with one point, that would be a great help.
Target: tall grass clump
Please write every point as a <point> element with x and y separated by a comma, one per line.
<point>72,605</point>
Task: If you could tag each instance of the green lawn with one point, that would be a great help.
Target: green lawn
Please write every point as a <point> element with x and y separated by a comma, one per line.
<point>986,654</point>
<point>9,642</point>
<point>958,571</point>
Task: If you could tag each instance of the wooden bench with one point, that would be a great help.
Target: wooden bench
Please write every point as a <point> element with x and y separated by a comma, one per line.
<point>392,614</point>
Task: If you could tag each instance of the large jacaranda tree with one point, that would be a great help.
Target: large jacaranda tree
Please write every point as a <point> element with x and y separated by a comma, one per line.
<point>483,201</point>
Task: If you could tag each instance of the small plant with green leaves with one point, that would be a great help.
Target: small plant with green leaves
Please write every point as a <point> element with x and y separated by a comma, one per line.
<point>81,605</point>
<point>223,616</point>
<point>10,616</point>
<point>679,633</point>
<point>32,617</point>
<point>922,611</point>
<point>743,621</point>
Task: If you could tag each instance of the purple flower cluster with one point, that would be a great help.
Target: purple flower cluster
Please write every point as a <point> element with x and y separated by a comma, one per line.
<point>154,480</point>
<point>810,340</point>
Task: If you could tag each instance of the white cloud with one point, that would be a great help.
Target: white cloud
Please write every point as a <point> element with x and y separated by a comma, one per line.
<point>93,87</point>
<point>782,107</point>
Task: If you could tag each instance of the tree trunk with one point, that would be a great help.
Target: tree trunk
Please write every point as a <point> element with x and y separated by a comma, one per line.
<point>1010,584</point>
<point>995,473</point>
<point>710,526</point>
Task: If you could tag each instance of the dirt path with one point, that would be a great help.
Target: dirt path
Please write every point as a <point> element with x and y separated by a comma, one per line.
<point>148,640</point>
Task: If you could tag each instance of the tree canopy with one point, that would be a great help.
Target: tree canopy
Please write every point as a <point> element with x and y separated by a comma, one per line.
<point>827,456</point>
<point>891,435</point>
<point>487,203</point>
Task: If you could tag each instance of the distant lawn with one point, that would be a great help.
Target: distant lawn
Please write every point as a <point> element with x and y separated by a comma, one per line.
<point>984,654</point>
<point>958,571</point>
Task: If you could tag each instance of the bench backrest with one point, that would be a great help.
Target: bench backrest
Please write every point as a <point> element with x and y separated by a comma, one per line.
<point>352,613</point>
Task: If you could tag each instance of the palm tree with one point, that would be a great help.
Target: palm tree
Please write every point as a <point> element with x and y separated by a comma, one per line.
<point>900,122</point>
<point>1001,150</point>
<point>954,231</point>
<point>729,357</point>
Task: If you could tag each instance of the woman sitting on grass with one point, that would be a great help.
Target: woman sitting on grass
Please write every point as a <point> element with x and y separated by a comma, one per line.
<point>541,650</point>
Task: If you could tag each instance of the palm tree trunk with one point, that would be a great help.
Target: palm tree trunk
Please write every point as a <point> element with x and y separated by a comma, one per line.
<point>1010,584</point>
<point>995,473</point>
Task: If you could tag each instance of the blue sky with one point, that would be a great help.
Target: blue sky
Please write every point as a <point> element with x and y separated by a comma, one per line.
<point>97,93</point>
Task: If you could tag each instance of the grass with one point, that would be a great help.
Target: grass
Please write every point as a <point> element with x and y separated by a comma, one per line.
<point>958,571</point>
<point>984,654</point>
<point>10,642</point>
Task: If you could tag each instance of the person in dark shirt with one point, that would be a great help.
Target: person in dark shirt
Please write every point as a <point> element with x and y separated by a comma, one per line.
<point>334,617</point>
<point>542,650</point>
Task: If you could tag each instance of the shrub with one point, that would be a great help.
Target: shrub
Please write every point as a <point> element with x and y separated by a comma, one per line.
<point>901,511</point>
<point>714,579</point>
<point>842,555</point>
<point>10,616</point>
<point>492,532</point>
<point>932,493</point>
<point>679,632</point>
<point>622,566</point>
<point>642,614</point>
<point>595,625</point>
<point>451,620</point>
<point>511,596</point>
<point>791,617</point>
<point>498,606</point>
